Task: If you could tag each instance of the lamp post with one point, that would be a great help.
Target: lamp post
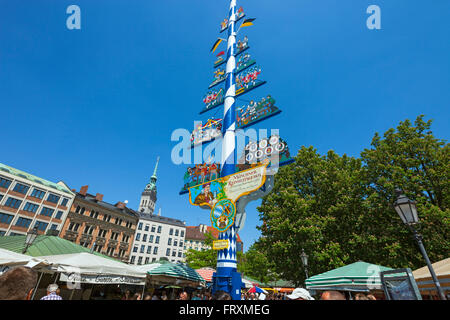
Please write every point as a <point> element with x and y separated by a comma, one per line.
<point>304,258</point>
<point>31,236</point>
<point>407,211</point>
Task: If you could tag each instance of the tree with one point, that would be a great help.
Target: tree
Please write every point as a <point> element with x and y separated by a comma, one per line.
<point>201,259</point>
<point>254,264</point>
<point>339,208</point>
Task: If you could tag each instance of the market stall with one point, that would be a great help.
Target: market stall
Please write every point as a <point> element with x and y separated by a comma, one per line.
<point>356,277</point>
<point>425,283</point>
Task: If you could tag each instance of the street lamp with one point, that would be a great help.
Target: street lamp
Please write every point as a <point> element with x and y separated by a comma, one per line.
<point>31,236</point>
<point>407,211</point>
<point>304,258</point>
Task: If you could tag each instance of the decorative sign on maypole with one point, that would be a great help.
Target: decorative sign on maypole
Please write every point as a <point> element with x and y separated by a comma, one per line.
<point>225,189</point>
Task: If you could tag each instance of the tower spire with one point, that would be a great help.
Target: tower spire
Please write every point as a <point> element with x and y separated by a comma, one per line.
<point>156,167</point>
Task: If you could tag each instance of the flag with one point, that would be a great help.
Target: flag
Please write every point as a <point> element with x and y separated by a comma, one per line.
<point>216,44</point>
<point>221,53</point>
<point>247,23</point>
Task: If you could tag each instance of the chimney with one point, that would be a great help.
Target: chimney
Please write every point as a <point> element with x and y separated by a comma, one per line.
<point>84,190</point>
<point>98,197</point>
<point>120,205</point>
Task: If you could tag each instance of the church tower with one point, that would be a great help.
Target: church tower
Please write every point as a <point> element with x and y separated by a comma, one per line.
<point>148,197</point>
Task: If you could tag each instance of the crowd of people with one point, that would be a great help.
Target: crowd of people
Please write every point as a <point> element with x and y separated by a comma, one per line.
<point>19,283</point>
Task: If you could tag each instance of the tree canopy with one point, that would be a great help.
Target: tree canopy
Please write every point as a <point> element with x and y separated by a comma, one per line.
<point>339,208</point>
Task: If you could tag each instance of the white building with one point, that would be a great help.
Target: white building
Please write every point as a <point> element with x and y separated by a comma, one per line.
<point>158,237</point>
<point>28,202</point>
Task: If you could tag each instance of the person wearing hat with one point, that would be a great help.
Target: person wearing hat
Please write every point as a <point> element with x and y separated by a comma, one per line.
<point>51,293</point>
<point>300,294</point>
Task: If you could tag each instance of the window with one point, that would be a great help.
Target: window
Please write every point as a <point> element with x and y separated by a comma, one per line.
<point>168,252</point>
<point>144,237</point>
<point>139,260</point>
<point>13,203</point>
<point>59,214</point>
<point>151,238</point>
<point>132,259</point>
<point>21,188</point>
<point>53,198</point>
<point>159,229</point>
<point>125,238</point>
<point>181,243</point>
<point>140,226</point>
<point>74,226</point>
<point>5,183</point>
<point>174,254</point>
<point>179,254</point>
<point>64,202</point>
<point>1,197</point>
<point>142,249</point>
<point>169,242</point>
<point>102,233</point>
<point>149,249</point>
<point>94,214</point>
<point>2,233</point>
<point>138,236</point>
<point>38,193</point>
<point>77,210</point>
<point>53,226</point>
<point>82,210</point>
<point>23,222</point>
<point>153,228</point>
<point>89,229</point>
<point>147,260</point>
<point>114,235</point>
<point>171,231</point>
<point>41,226</point>
<point>176,233</point>
<point>146,227</point>
<point>155,250</point>
<point>157,239</point>
<point>182,233</point>
<point>175,243</point>
<point>47,212</point>
<point>31,207</point>
<point>135,249</point>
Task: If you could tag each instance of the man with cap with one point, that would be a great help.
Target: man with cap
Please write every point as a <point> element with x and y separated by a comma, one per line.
<point>51,293</point>
<point>300,294</point>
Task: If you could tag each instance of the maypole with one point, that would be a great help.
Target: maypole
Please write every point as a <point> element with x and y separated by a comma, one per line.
<point>226,277</point>
<point>226,188</point>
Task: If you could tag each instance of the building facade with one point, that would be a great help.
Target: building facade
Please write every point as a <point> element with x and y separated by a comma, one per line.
<point>196,236</point>
<point>105,228</point>
<point>158,237</point>
<point>28,202</point>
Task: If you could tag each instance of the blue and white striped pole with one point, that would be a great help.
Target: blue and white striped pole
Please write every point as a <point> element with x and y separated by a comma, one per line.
<point>226,277</point>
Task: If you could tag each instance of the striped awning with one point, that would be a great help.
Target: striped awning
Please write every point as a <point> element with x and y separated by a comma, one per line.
<point>175,270</point>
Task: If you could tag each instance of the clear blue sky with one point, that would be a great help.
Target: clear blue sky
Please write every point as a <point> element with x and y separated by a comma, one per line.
<point>96,106</point>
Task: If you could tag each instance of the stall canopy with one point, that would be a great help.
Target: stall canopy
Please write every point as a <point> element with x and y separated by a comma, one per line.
<point>173,273</point>
<point>359,276</point>
<point>88,268</point>
<point>425,282</point>
<point>9,259</point>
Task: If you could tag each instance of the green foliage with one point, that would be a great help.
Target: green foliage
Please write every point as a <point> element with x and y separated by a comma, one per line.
<point>339,208</point>
<point>254,264</point>
<point>201,259</point>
